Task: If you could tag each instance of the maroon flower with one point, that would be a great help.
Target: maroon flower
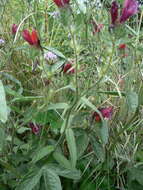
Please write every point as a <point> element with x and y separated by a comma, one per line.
<point>122,46</point>
<point>130,8</point>
<point>32,38</point>
<point>14,29</point>
<point>68,68</point>
<point>105,112</point>
<point>114,12</point>
<point>35,128</point>
<point>61,3</point>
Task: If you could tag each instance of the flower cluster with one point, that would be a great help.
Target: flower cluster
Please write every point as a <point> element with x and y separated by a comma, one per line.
<point>105,112</point>
<point>49,56</point>
<point>130,7</point>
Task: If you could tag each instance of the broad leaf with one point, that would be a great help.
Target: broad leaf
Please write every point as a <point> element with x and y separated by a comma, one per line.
<point>51,179</point>
<point>67,173</point>
<point>30,182</point>
<point>62,160</point>
<point>42,153</point>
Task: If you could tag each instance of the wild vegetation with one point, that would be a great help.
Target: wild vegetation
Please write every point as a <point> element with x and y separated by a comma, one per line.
<point>71,87</point>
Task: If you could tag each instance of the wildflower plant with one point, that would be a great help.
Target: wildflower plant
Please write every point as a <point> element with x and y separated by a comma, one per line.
<point>71,95</point>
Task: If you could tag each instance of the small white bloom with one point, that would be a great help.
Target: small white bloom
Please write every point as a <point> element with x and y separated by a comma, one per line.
<point>55,14</point>
<point>49,56</point>
<point>2,42</point>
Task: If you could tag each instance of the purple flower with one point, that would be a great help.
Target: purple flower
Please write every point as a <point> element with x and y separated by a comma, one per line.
<point>49,56</point>
<point>2,42</point>
<point>35,128</point>
<point>114,12</point>
<point>130,8</point>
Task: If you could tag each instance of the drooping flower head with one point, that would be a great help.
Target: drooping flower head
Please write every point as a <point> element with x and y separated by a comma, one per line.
<point>35,128</point>
<point>14,29</point>
<point>68,68</point>
<point>105,112</point>
<point>114,12</point>
<point>61,3</point>
<point>31,38</point>
<point>130,8</point>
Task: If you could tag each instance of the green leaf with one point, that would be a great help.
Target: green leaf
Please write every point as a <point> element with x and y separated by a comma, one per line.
<point>30,182</point>
<point>26,98</point>
<point>82,142</point>
<point>92,106</point>
<point>132,101</point>
<point>23,129</point>
<point>136,174</point>
<point>67,173</point>
<point>112,93</point>
<point>2,138</point>
<point>14,80</point>
<point>42,153</point>
<point>98,148</point>
<point>58,106</point>
<point>51,179</point>
<point>56,66</point>
<point>3,105</point>
<point>71,146</point>
<point>104,132</point>
<point>62,160</point>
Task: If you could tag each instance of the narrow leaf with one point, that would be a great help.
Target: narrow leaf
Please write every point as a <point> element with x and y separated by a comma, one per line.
<point>132,100</point>
<point>104,132</point>
<point>71,146</point>
<point>3,105</point>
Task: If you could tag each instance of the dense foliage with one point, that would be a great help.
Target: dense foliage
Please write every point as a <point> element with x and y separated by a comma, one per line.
<point>71,87</point>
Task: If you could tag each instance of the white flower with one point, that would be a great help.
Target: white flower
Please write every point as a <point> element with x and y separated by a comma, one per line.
<point>2,42</point>
<point>49,56</point>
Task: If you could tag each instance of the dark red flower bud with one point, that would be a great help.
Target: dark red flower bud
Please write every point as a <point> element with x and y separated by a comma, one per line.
<point>14,29</point>
<point>106,113</point>
<point>114,12</point>
<point>61,3</point>
<point>122,46</point>
<point>32,38</point>
<point>68,68</point>
<point>130,8</point>
<point>35,128</point>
